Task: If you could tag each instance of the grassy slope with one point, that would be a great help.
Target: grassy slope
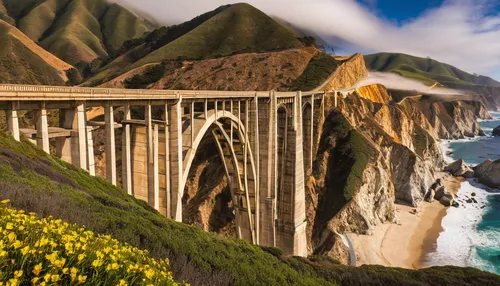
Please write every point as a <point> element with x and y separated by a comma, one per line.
<point>317,71</point>
<point>23,61</point>
<point>77,31</point>
<point>426,70</point>
<point>239,28</point>
<point>76,35</point>
<point>36,182</point>
<point>136,49</point>
<point>120,25</point>
<point>40,18</point>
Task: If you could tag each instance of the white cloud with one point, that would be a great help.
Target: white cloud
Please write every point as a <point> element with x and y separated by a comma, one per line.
<point>395,81</point>
<point>460,32</point>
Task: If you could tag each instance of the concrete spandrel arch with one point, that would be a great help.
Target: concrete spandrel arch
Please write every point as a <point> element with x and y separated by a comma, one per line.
<point>212,120</point>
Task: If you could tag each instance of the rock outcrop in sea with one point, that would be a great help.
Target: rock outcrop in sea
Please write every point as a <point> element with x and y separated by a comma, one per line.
<point>496,131</point>
<point>488,173</point>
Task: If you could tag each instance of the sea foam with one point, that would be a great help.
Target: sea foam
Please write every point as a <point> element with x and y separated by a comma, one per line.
<point>456,243</point>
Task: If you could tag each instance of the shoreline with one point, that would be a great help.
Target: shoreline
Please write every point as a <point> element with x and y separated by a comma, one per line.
<point>390,244</point>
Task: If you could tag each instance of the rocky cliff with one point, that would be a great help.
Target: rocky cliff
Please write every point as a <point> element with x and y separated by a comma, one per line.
<point>347,74</point>
<point>488,173</point>
<point>350,189</point>
<point>447,119</point>
<point>397,160</point>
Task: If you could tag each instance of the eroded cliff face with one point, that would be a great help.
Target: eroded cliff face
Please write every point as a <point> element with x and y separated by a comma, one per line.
<point>407,147</point>
<point>350,189</point>
<point>347,74</point>
<point>448,119</point>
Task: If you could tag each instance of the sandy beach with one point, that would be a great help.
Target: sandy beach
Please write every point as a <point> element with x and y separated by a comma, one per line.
<point>405,244</point>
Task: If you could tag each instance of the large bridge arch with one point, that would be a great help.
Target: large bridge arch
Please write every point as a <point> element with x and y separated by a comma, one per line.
<point>230,135</point>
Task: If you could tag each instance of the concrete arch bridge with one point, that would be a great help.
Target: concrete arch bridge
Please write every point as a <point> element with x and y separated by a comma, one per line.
<point>265,140</point>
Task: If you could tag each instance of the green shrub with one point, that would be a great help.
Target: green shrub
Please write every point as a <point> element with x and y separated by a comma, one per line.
<point>150,75</point>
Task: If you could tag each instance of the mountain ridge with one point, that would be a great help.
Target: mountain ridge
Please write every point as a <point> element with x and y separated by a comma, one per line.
<point>77,31</point>
<point>424,69</point>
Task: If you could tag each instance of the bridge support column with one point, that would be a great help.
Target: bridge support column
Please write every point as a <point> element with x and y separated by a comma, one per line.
<point>82,136</point>
<point>13,122</point>
<point>168,195</point>
<point>175,145</point>
<point>126,153</point>
<point>267,168</point>
<point>73,149</point>
<point>299,198</point>
<point>42,129</point>
<point>110,149</point>
<point>152,153</point>
<point>90,151</point>
<point>252,126</point>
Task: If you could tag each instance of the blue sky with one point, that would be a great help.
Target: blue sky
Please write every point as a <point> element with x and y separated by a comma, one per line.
<point>399,11</point>
<point>463,33</point>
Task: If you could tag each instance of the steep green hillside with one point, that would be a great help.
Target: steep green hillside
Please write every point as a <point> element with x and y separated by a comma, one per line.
<point>22,61</point>
<point>427,70</point>
<point>36,182</point>
<point>120,25</point>
<point>77,31</point>
<point>239,28</point>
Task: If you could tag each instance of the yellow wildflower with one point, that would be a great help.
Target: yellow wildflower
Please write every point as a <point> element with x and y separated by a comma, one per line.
<point>25,250</point>
<point>82,279</point>
<point>59,263</point>
<point>5,202</point>
<point>11,236</point>
<point>81,257</point>
<point>13,282</point>
<point>122,283</point>
<point>65,270</point>
<point>37,269</point>
<point>34,280</point>
<point>46,277</point>
<point>96,263</point>
<point>18,273</point>
<point>17,244</point>
<point>74,271</point>
<point>55,278</point>
<point>149,273</point>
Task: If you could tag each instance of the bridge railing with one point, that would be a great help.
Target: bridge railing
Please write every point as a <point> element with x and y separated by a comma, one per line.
<point>38,92</point>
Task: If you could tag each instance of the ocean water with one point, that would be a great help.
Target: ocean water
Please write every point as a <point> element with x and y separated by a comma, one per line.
<point>471,233</point>
<point>475,150</point>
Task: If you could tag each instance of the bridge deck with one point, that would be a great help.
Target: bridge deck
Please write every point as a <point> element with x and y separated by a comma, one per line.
<point>61,93</point>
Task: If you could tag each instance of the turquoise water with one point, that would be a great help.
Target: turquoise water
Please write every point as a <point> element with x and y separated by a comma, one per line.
<point>488,251</point>
<point>474,151</point>
<point>471,235</point>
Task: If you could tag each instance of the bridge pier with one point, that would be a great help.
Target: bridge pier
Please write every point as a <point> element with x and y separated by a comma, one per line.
<point>126,152</point>
<point>90,151</point>
<point>176,158</point>
<point>13,121</point>
<point>110,149</point>
<point>42,129</point>
<point>73,149</point>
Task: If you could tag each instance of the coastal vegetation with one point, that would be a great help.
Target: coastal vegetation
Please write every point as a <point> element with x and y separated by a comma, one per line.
<point>36,182</point>
<point>47,251</point>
